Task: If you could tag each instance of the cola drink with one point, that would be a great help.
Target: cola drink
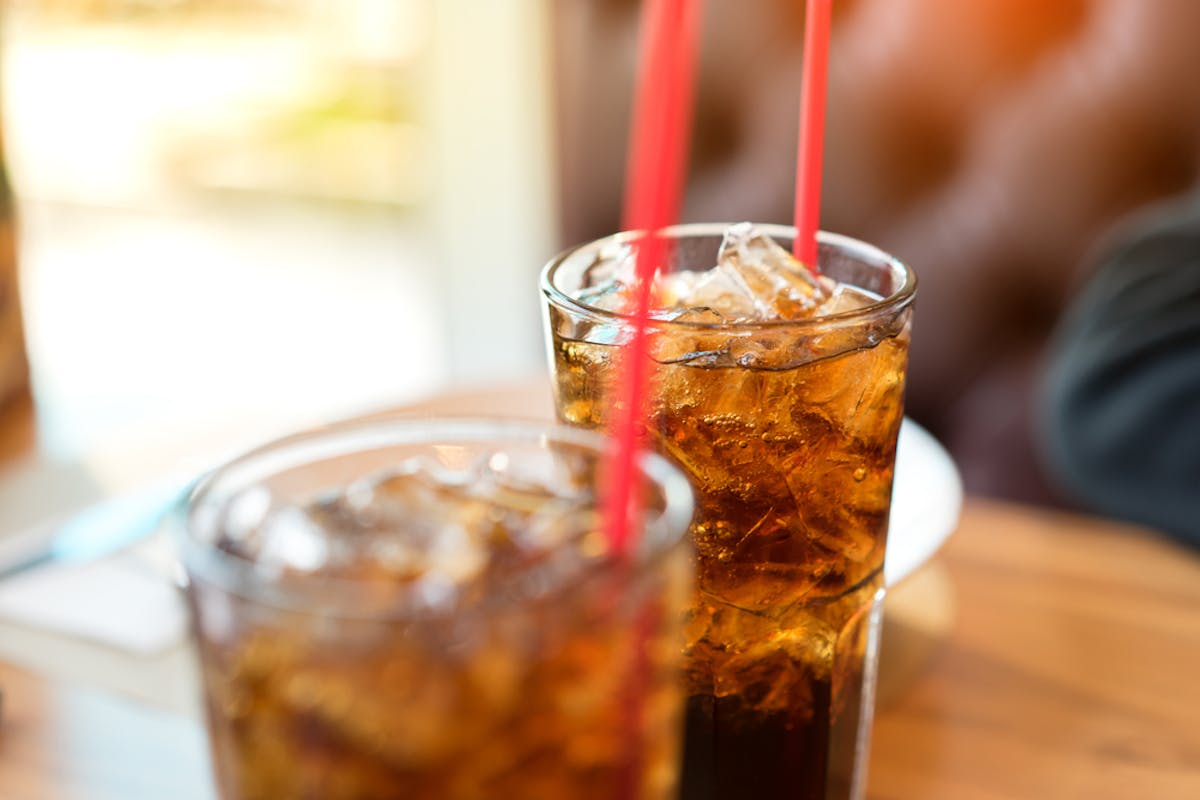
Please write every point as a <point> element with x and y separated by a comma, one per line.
<point>780,395</point>
<point>430,610</point>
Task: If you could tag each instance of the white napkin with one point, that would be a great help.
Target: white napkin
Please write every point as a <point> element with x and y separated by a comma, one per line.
<point>124,600</point>
<point>118,601</point>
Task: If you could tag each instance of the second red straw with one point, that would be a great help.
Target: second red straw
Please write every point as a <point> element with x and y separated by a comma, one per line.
<point>654,175</point>
<point>811,147</point>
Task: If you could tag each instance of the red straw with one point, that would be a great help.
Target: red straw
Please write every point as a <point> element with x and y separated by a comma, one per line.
<point>812,131</point>
<point>654,187</point>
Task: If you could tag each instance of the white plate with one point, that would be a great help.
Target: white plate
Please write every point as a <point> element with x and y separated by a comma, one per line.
<point>926,502</point>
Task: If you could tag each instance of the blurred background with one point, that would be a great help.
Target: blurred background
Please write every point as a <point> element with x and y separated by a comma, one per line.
<point>236,217</point>
<point>1005,149</point>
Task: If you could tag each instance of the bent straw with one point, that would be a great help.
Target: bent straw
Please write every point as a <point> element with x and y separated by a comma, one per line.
<point>812,132</point>
<point>654,187</point>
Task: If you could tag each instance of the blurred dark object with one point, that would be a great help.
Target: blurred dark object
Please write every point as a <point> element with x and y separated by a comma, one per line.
<point>1121,411</point>
<point>14,370</point>
<point>990,144</point>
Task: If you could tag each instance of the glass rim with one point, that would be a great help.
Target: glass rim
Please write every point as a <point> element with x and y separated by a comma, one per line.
<point>895,301</point>
<point>237,575</point>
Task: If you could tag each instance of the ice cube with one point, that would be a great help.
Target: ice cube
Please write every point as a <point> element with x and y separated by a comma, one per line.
<point>614,264</point>
<point>399,496</point>
<point>607,283</point>
<point>844,298</point>
<point>293,540</point>
<point>717,292</point>
<point>768,277</point>
<point>423,521</point>
<point>701,346</point>
<point>615,297</point>
<point>245,512</point>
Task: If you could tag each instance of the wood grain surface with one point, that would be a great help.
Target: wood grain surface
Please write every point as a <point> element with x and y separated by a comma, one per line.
<point>64,743</point>
<point>1072,668</point>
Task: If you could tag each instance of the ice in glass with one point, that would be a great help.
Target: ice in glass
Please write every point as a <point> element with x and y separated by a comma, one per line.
<point>429,610</point>
<point>780,395</point>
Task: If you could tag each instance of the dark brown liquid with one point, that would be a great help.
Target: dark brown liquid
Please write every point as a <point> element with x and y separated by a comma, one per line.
<point>751,756</point>
<point>807,751</point>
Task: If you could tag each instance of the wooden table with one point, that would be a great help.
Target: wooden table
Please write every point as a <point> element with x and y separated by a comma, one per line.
<point>1040,655</point>
<point>1070,669</point>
